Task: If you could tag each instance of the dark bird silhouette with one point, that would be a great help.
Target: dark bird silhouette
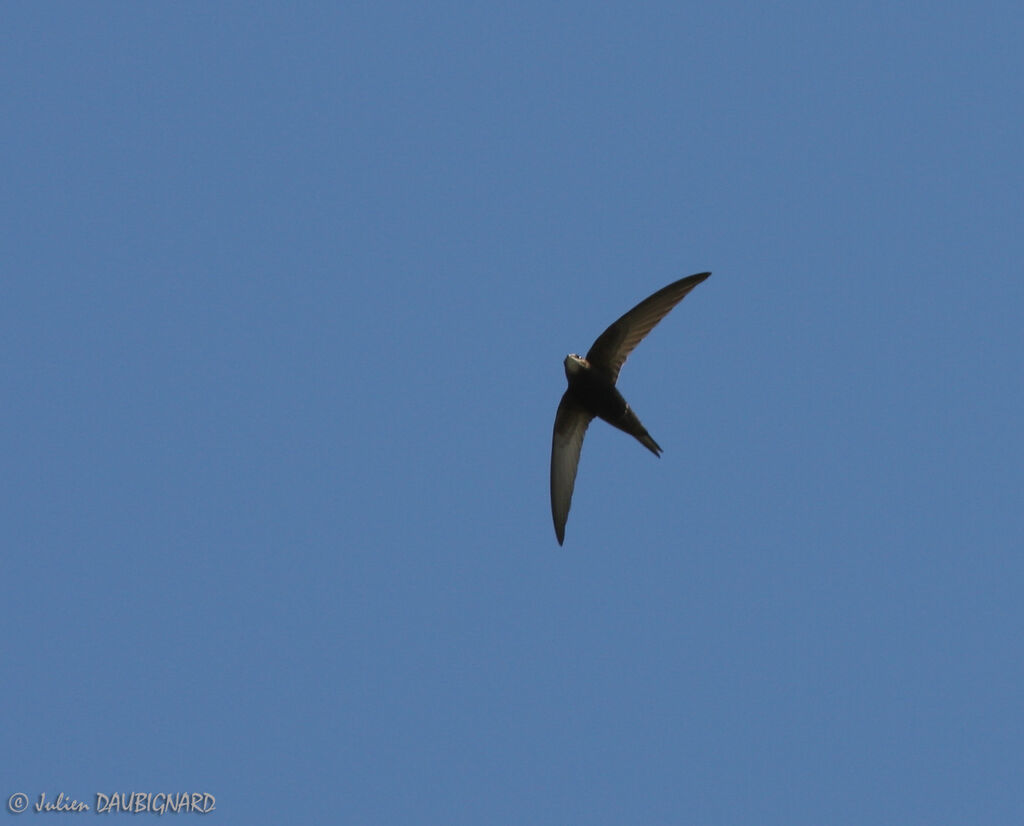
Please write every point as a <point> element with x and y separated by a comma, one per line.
<point>592,392</point>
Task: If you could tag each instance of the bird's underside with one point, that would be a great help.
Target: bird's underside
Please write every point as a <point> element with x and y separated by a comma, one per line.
<point>592,392</point>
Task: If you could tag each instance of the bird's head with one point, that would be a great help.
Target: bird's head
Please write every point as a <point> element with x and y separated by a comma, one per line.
<point>574,364</point>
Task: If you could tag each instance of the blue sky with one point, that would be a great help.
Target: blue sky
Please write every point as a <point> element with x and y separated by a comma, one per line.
<point>287,292</point>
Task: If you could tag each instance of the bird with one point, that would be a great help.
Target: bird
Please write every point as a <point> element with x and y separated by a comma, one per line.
<point>592,392</point>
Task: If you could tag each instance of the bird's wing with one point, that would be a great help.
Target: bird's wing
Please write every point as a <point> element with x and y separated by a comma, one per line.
<point>615,344</point>
<point>571,423</point>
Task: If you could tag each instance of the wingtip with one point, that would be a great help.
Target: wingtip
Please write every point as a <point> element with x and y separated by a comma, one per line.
<point>690,281</point>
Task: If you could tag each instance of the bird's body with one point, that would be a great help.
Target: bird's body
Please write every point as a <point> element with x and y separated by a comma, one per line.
<point>592,392</point>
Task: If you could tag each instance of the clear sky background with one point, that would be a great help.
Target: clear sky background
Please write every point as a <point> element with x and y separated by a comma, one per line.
<point>286,292</point>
